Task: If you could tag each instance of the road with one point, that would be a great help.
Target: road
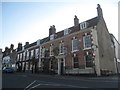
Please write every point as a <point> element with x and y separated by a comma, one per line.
<point>28,81</point>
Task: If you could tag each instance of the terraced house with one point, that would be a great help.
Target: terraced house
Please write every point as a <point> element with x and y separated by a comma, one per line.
<point>84,48</point>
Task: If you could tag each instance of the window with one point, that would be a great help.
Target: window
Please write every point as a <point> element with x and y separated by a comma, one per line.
<point>61,48</point>
<point>23,56</point>
<point>88,60</point>
<point>74,45</point>
<point>76,62</point>
<point>66,32</point>
<point>83,25</point>
<point>42,52</point>
<point>52,37</point>
<point>32,54</point>
<point>27,58</point>
<point>51,50</point>
<point>87,41</point>
<point>26,66</point>
<point>18,57</point>
<point>37,53</point>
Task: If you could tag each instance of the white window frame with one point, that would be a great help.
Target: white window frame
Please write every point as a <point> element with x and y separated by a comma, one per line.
<point>42,52</point>
<point>24,56</point>
<point>61,48</point>
<point>20,56</point>
<point>83,25</point>
<point>85,48</point>
<point>52,37</point>
<point>86,65</point>
<point>73,47</point>
<point>32,54</point>
<point>73,62</point>
<point>37,53</point>
<point>27,56</point>
<point>51,50</point>
<point>66,31</point>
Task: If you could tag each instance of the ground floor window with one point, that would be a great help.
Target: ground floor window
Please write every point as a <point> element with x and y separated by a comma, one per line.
<point>75,62</point>
<point>26,65</point>
<point>30,66</point>
<point>88,61</point>
<point>23,65</point>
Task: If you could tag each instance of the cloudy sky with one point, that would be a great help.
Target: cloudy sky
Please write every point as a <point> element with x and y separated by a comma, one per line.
<point>29,21</point>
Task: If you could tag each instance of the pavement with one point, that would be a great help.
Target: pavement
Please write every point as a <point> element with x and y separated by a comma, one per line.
<point>75,77</point>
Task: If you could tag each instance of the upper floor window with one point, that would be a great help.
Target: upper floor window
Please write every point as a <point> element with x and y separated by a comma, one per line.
<point>83,25</point>
<point>74,44</point>
<point>52,37</point>
<point>32,54</point>
<point>24,56</point>
<point>75,62</point>
<point>37,53</point>
<point>21,57</point>
<point>87,41</point>
<point>66,31</point>
<point>61,48</point>
<point>42,52</point>
<point>51,50</point>
<point>27,55</point>
<point>18,57</point>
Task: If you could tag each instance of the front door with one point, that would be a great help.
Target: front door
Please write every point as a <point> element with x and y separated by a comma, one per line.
<point>60,66</point>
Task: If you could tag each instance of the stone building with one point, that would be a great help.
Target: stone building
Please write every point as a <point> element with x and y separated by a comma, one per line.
<point>116,46</point>
<point>84,48</point>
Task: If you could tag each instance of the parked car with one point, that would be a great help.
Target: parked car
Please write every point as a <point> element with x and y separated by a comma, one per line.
<point>8,70</point>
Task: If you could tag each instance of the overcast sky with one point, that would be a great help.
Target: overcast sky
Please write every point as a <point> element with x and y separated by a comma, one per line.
<point>30,21</point>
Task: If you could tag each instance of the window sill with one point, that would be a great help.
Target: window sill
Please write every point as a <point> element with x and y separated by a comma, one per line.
<point>51,55</point>
<point>75,51</point>
<point>87,48</point>
<point>61,53</point>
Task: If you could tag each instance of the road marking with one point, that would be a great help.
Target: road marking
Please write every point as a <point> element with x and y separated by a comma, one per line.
<point>30,84</point>
<point>54,84</point>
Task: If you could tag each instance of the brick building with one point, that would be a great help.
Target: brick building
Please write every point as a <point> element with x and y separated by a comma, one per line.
<point>84,48</point>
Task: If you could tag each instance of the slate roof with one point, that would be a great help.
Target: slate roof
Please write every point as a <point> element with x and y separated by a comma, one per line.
<point>91,22</point>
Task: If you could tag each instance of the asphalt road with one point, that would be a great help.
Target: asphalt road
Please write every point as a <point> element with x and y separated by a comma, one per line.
<point>28,81</point>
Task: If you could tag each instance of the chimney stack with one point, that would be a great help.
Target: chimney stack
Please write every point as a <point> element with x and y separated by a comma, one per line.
<point>11,46</point>
<point>76,21</point>
<point>19,46</point>
<point>99,11</point>
<point>52,30</point>
<point>27,43</point>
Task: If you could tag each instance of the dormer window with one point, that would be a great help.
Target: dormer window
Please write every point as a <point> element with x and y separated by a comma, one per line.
<point>66,31</point>
<point>52,37</point>
<point>83,25</point>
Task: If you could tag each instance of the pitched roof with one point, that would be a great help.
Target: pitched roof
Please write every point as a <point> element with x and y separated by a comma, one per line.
<point>91,22</point>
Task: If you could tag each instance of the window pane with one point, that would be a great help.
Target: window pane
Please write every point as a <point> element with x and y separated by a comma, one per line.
<point>87,41</point>
<point>88,61</point>
<point>75,44</point>
<point>61,48</point>
<point>76,62</point>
